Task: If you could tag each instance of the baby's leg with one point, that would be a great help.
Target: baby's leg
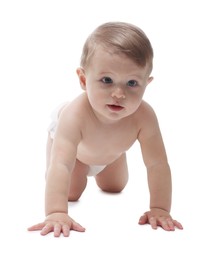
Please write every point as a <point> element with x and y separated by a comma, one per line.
<point>115,176</point>
<point>78,181</point>
<point>78,175</point>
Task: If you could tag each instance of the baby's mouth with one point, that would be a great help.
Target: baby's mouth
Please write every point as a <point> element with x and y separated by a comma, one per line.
<point>115,107</point>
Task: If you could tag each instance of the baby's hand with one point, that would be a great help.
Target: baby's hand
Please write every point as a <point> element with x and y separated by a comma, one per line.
<point>57,223</point>
<point>158,217</point>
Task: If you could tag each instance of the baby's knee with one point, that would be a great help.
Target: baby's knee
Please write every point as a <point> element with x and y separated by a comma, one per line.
<point>113,189</point>
<point>73,198</point>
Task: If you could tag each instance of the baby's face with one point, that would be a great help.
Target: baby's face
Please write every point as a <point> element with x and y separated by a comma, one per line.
<point>114,84</point>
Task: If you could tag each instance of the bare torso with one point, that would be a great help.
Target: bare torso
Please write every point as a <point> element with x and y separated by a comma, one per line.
<point>102,143</point>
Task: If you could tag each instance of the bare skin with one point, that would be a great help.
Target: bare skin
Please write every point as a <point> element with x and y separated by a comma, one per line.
<point>97,128</point>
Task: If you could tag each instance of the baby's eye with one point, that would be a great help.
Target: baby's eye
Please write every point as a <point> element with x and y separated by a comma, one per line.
<point>107,80</point>
<point>132,83</point>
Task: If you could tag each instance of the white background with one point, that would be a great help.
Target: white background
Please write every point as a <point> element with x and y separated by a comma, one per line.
<point>40,47</point>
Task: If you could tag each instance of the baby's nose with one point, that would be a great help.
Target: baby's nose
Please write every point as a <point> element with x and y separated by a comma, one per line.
<point>118,92</point>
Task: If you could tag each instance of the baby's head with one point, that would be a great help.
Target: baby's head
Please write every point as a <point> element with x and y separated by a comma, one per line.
<point>119,38</point>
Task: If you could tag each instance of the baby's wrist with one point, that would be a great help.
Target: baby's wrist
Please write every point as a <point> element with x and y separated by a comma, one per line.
<point>56,212</point>
<point>160,209</point>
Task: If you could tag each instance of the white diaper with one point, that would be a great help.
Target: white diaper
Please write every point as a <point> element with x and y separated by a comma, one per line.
<point>95,169</point>
<point>54,119</point>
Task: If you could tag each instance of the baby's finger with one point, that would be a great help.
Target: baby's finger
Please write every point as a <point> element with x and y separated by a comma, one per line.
<point>47,229</point>
<point>171,224</point>
<point>66,230</point>
<point>153,222</point>
<point>36,227</point>
<point>57,230</point>
<point>177,224</point>
<point>167,224</point>
<point>77,227</point>
<point>143,220</point>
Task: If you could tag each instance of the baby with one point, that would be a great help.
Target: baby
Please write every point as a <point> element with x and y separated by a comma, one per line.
<point>90,135</point>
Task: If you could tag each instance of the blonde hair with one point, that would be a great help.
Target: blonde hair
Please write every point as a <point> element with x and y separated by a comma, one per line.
<point>119,37</point>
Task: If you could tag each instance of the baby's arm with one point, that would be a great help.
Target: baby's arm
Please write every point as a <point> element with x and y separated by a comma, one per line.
<point>159,175</point>
<point>62,160</point>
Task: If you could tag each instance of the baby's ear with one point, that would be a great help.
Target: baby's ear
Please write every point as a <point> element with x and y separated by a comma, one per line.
<point>150,79</point>
<point>82,79</point>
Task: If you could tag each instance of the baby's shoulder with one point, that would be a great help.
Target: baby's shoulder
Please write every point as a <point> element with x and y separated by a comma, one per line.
<point>75,110</point>
<point>148,122</point>
<point>71,118</point>
<point>77,105</point>
<point>146,119</point>
<point>145,111</point>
